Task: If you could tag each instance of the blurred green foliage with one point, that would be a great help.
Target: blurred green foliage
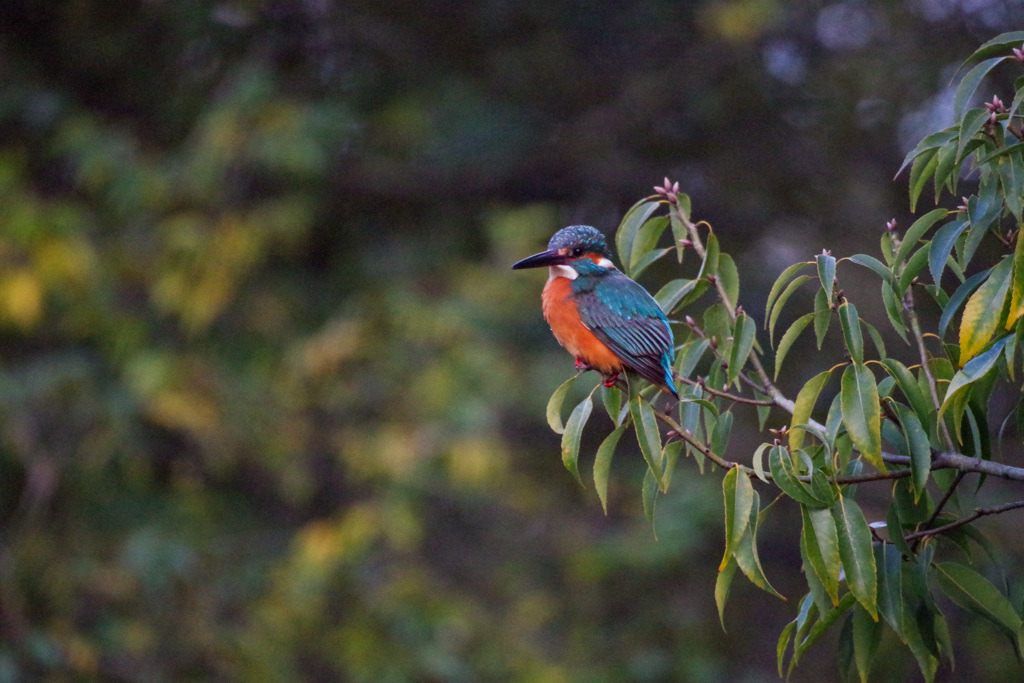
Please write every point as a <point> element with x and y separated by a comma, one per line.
<point>271,405</point>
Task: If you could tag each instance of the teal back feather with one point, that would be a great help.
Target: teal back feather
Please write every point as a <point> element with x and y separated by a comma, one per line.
<point>626,318</point>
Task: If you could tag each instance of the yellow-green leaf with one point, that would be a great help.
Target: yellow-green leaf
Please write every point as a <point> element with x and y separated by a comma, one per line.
<point>859,402</point>
<point>648,437</point>
<point>850,323</point>
<point>803,406</point>
<point>983,310</point>
<point>1017,295</point>
<point>789,338</point>
<point>554,410</point>
<point>739,498</point>
<point>856,554</point>
<point>744,333</point>
<point>603,465</point>
<point>630,226</point>
<point>822,547</point>
<point>571,437</point>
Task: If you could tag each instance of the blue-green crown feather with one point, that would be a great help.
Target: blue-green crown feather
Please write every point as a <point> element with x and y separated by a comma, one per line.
<point>589,239</point>
<point>626,319</point>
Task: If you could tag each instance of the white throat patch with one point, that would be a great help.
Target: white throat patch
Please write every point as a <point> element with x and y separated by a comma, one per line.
<point>561,271</point>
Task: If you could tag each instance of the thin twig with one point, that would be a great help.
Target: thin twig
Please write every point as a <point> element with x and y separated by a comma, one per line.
<point>723,394</point>
<point>963,521</point>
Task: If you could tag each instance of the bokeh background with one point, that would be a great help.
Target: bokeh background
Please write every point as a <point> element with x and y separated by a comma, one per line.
<point>271,400</point>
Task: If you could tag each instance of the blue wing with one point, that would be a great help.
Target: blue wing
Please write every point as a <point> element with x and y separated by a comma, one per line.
<point>629,321</point>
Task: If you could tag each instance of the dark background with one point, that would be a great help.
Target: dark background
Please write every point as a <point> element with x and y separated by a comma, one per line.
<point>271,400</point>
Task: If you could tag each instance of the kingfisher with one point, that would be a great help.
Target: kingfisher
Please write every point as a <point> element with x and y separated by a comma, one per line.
<point>603,318</point>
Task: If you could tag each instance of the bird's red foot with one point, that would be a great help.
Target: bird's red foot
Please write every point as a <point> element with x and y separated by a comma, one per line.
<point>609,381</point>
<point>581,365</point>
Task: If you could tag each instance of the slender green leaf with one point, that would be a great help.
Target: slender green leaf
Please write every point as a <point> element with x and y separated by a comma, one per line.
<point>889,564</point>
<point>744,335</point>
<point>803,407</point>
<point>571,437</point>
<point>867,633</point>
<point>973,372</point>
<point>931,142</point>
<point>909,386</point>
<point>648,437</point>
<point>644,242</point>
<point>649,495</point>
<point>942,246</point>
<point>612,399</point>
<point>822,316</point>
<point>822,542</point>
<point>625,236</point>
<point>920,451</point>
<point>679,234</point>
<point>603,465</point>
<point>722,585</point>
<point>554,409</point>
<point>915,232</point>
<point>1017,291</point>
<point>672,293</point>
<point>689,355</point>
<point>856,554</point>
<point>757,461</point>
<point>722,431</point>
<point>781,303</point>
<point>970,83</point>
<point>780,284</point>
<point>973,592</point>
<point>914,267</point>
<point>1011,175</point>
<point>789,338</point>
<point>894,309</point>
<point>983,210</point>
<point>970,125</point>
<point>730,278</point>
<point>958,299</point>
<point>983,311</point>
<point>739,499</point>
<point>783,644</point>
<point>944,170</point>
<point>850,322</point>
<point>822,625</point>
<point>859,400</point>
<point>710,264</point>
<point>873,264</point>
<point>921,170</point>
<point>784,475</point>
<point>643,262</point>
<point>697,292</point>
<point>995,46</point>
<point>746,553</point>
<point>876,338</point>
<point>826,273</point>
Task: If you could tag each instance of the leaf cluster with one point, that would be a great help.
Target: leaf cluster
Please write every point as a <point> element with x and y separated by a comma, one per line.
<point>914,421</point>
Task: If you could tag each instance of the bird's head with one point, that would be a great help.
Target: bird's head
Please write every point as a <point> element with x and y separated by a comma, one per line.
<point>571,244</point>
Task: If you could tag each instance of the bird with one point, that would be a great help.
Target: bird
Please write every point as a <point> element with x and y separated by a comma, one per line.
<point>603,318</point>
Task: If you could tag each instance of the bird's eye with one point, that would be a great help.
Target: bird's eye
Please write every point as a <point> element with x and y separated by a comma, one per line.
<point>577,251</point>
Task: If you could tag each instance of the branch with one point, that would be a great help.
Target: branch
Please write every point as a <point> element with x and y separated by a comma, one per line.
<point>723,394</point>
<point>959,461</point>
<point>915,328</point>
<point>977,514</point>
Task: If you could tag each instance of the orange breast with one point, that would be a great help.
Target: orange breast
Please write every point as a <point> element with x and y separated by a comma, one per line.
<point>561,313</point>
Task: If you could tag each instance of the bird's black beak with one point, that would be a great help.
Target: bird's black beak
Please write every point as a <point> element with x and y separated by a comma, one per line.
<point>546,258</point>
